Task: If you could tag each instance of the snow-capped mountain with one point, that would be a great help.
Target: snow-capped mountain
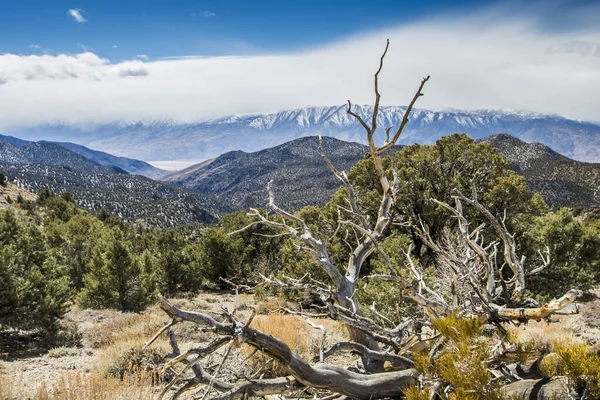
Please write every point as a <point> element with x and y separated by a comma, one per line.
<point>168,140</point>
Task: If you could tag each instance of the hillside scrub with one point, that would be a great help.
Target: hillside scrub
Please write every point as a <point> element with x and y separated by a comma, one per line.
<point>53,253</point>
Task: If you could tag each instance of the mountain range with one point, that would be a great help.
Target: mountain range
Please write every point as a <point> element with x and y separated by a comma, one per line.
<point>169,140</point>
<point>300,177</point>
<point>99,180</point>
<point>18,151</point>
<point>237,180</point>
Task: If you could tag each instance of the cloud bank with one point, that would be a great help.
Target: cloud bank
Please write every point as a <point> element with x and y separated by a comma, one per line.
<point>478,61</point>
<point>81,67</point>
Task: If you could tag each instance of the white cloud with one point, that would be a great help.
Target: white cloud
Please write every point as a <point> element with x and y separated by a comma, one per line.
<point>142,57</point>
<point>115,46</point>
<point>85,66</point>
<point>76,14</point>
<point>478,61</point>
<point>34,46</point>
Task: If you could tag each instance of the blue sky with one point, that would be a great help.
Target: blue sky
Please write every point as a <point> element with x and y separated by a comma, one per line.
<point>161,28</point>
<point>90,62</point>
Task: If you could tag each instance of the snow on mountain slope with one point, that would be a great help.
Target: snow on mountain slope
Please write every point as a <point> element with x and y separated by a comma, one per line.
<point>168,140</point>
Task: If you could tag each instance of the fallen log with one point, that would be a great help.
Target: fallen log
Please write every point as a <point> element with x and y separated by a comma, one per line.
<point>540,389</point>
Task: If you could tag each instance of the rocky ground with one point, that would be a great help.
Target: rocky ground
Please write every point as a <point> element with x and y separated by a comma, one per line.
<point>96,342</point>
<point>100,338</point>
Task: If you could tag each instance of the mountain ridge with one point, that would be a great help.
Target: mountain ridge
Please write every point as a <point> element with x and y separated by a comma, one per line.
<point>169,140</point>
<point>561,180</point>
<point>300,177</point>
<point>23,149</point>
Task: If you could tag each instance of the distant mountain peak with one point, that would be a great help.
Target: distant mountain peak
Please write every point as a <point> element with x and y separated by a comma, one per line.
<point>167,140</point>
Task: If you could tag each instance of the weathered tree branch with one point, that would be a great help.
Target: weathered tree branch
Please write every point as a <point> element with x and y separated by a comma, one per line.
<point>396,360</point>
<point>322,376</point>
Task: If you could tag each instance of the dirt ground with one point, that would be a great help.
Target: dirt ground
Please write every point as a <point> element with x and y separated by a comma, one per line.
<point>104,334</point>
<point>107,334</point>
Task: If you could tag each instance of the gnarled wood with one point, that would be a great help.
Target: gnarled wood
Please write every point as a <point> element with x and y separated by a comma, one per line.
<point>541,312</point>
<point>322,376</point>
<point>541,389</point>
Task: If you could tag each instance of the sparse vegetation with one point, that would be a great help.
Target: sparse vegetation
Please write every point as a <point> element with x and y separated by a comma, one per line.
<point>59,352</point>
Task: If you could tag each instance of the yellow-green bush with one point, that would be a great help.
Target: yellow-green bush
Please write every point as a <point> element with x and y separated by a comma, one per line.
<point>578,364</point>
<point>461,363</point>
<point>415,393</point>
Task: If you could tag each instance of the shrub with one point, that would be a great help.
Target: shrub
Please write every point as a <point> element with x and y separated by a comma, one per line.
<point>134,361</point>
<point>3,181</point>
<point>578,364</point>
<point>59,352</point>
<point>67,335</point>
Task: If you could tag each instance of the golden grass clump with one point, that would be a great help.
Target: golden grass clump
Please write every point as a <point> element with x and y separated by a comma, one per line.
<point>96,386</point>
<point>462,362</point>
<point>290,329</point>
<point>125,326</point>
<point>297,334</point>
<point>415,393</point>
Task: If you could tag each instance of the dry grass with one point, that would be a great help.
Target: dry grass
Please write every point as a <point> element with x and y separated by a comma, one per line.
<point>96,386</point>
<point>542,335</point>
<point>111,364</point>
<point>290,329</point>
<point>118,326</point>
<point>297,334</point>
<point>120,343</point>
<point>10,385</point>
<point>120,369</point>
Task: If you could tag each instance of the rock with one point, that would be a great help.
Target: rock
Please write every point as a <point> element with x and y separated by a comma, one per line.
<point>542,389</point>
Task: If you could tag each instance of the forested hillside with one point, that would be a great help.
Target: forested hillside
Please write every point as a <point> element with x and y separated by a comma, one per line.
<point>560,180</point>
<point>299,173</point>
<point>131,197</point>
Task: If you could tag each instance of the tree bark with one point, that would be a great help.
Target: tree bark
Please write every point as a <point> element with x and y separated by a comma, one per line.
<point>541,389</point>
<point>321,376</point>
